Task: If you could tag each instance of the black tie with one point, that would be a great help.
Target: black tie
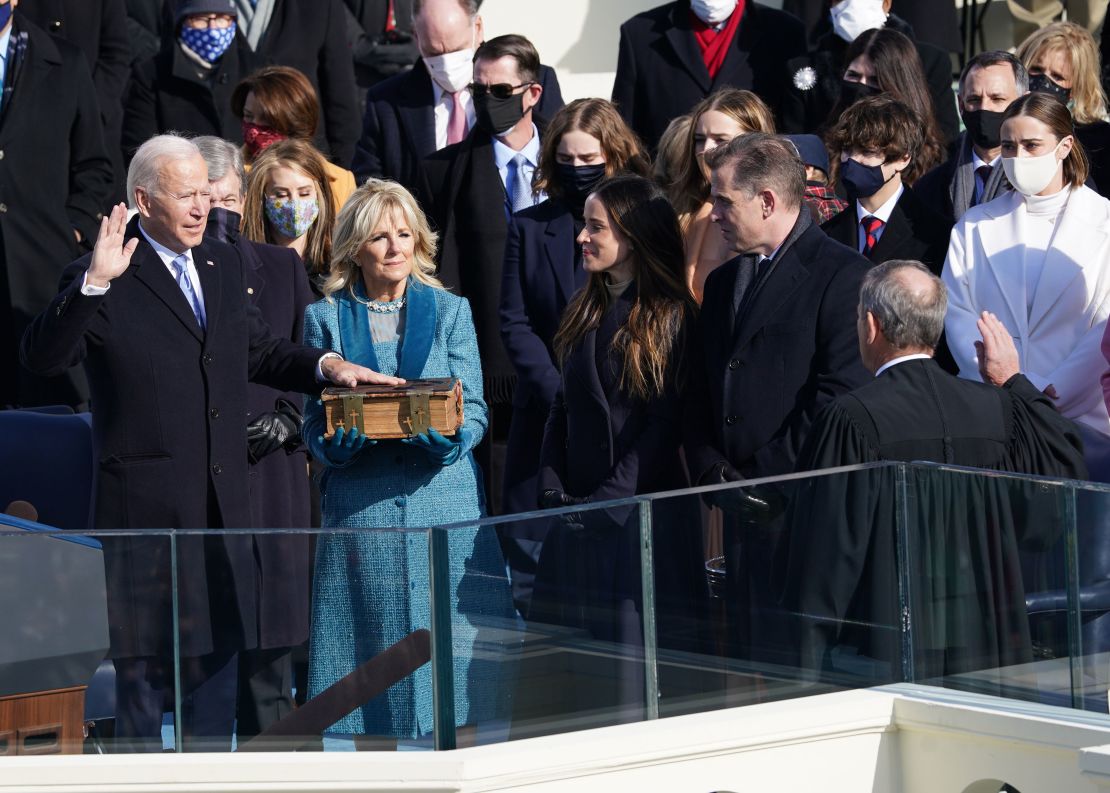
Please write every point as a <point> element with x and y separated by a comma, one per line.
<point>983,172</point>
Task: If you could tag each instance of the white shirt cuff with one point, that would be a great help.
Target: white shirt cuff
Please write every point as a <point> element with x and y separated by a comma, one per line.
<point>320,365</point>
<point>89,289</point>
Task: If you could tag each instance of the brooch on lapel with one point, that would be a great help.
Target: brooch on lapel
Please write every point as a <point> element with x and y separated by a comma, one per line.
<point>805,78</point>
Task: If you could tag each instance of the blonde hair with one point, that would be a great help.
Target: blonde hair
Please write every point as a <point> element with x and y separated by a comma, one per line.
<point>358,218</point>
<point>1088,98</point>
<point>300,155</point>
<point>691,189</point>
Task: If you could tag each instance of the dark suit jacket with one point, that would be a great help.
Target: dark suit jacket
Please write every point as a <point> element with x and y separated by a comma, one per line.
<point>468,209</point>
<point>538,279</point>
<point>55,176</point>
<point>378,56</point>
<point>913,232</point>
<point>171,92</point>
<point>399,131</point>
<point>765,375</point>
<point>311,35</point>
<point>170,435</point>
<point>807,109</point>
<point>661,73</point>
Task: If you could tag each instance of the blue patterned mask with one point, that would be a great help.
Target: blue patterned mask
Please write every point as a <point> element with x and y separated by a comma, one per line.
<point>208,43</point>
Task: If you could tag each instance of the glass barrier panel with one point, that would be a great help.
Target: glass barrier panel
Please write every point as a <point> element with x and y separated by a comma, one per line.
<point>986,583</point>
<point>1089,604</point>
<point>763,590</point>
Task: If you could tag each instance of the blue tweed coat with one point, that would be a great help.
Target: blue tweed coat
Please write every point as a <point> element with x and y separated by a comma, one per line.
<point>370,589</point>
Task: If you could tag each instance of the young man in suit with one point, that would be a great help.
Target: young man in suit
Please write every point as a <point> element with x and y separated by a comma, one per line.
<point>989,83</point>
<point>878,139</point>
<point>838,571</point>
<point>778,342</point>
<point>169,340</point>
<point>673,56</point>
<point>412,115</point>
<point>477,185</point>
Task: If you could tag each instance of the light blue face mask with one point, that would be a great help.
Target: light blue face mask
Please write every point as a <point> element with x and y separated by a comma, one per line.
<point>208,43</point>
<point>291,217</point>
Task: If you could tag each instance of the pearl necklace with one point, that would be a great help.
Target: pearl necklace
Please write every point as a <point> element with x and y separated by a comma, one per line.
<point>392,307</point>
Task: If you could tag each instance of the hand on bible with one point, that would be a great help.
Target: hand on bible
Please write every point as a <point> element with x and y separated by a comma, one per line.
<point>998,356</point>
<point>111,255</point>
<point>440,450</point>
<point>345,373</point>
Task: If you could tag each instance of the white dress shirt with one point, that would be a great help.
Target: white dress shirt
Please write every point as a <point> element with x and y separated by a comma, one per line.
<point>503,156</point>
<point>883,213</point>
<point>441,108</point>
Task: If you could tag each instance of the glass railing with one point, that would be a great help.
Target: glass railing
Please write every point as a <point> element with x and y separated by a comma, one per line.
<point>644,608</point>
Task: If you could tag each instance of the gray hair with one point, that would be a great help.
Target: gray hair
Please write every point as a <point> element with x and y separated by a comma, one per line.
<point>149,159</point>
<point>762,161</point>
<point>908,317</point>
<point>222,156</point>
<point>994,58</point>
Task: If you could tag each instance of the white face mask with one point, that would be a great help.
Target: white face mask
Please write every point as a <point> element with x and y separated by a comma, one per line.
<point>452,71</point>
<point>712,12</point>
<point>1031,175</point>
<point>852,17</point>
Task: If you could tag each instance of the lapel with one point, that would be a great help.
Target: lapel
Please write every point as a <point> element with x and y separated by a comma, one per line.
<point>680,36</point>
<point>582,365</point>
<point>898,230</point>
<point>622,308</point>
<point>722,297</point>
<point>844,228</point>
<point>1078,239</point>
<point>150,271</point>
<point>420,330</point>
<point>736,70</point>
<point>998,242</point>
<point>355,342</point>
<point>41,57</point>
<point>554,246</point>
<point>253,272</point>
<point>209,271</point>
<point>788,274</point>
<point>415,111</point>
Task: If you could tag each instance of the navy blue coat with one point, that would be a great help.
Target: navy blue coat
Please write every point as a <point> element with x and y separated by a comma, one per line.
<point>765,375</point>
<point>399,130</point>
<point>169,433</point>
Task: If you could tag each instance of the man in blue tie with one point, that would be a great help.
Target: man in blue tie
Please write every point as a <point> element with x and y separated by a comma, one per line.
<point>169,341</point>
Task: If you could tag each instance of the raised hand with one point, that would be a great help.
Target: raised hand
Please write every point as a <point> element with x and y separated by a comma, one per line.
<point>998,356</point>
<point>111,255</point>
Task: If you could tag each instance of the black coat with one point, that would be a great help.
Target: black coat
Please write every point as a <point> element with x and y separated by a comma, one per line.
<point>172,92</point>
<point>764,376</point>
<point>169,430</point>
<point>913,232</point>
<point>379,55</point>
<point>661,73</point>
<point>930,22</point>
<point>55,176</point>
<point>806,107</point>
<point>399,131</point>
<point>311,35</point>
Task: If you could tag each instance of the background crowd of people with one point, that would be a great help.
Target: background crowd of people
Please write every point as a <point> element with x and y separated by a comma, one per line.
<point>638,294</point>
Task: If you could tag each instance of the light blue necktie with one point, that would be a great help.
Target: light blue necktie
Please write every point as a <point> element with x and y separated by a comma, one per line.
<point>522,186</point>
<point>180,268</point>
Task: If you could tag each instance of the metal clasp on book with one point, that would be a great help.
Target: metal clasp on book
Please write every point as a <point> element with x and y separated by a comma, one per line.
<point>420,413</point>
<point>352,412</point>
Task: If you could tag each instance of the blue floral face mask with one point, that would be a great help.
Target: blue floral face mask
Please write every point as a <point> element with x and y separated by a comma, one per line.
<point>291,217</point>
<point>208,43</point>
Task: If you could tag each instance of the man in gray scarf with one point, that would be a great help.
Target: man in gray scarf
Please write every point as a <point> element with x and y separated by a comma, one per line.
<point>989,83</point>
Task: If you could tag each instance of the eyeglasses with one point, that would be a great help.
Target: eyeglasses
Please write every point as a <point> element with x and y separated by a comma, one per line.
<point>201,21</point>
<point>497,90</point>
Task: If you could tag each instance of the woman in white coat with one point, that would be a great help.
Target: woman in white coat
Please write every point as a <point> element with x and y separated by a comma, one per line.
<point>1039,259</point>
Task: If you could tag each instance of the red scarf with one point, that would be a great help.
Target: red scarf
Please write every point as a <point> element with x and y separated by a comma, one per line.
<point>714,44</point>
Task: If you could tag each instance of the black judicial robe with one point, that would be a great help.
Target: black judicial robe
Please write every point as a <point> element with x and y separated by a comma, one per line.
<point>966,533</point>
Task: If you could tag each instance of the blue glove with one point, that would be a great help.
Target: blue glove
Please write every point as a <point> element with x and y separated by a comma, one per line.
<point>440,450</point>
<point>343,446</point>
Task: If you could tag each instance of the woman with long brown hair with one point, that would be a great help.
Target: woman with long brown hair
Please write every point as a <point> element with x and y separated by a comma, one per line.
<point>289,203</point>
<point>714,121</point>
<point>614,428</point>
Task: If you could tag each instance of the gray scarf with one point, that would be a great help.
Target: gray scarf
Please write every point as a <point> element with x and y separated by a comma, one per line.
<point>962,188</point>
<point>254,18</point>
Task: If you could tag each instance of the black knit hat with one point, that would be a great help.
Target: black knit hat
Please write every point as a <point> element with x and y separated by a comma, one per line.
<point>189,7</point>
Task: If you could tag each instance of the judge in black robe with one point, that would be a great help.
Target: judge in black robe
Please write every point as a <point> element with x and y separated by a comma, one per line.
<point>964,533</point>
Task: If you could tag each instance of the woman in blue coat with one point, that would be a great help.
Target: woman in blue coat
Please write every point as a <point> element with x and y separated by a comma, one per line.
<point>614,431</point>
<point>383,304</point>
<point>585,142</point>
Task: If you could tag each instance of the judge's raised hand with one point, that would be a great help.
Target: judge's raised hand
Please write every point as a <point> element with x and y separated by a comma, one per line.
<point>998,355</point>
<point>111,255</point>
<point>349,375</point>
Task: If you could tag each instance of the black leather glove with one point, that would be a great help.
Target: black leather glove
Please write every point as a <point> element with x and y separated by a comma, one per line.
<point>755,504</point>
<point>552,499</point>
<point>279,429</point>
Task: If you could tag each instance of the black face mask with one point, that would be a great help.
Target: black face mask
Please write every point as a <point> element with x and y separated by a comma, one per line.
<point>578,181</point>
<point>861,181</point>
<point>498,116</point>
<point>984,127</point>
<point>223,224</point>
<point>1044,84</point>
<point>851,92</point>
